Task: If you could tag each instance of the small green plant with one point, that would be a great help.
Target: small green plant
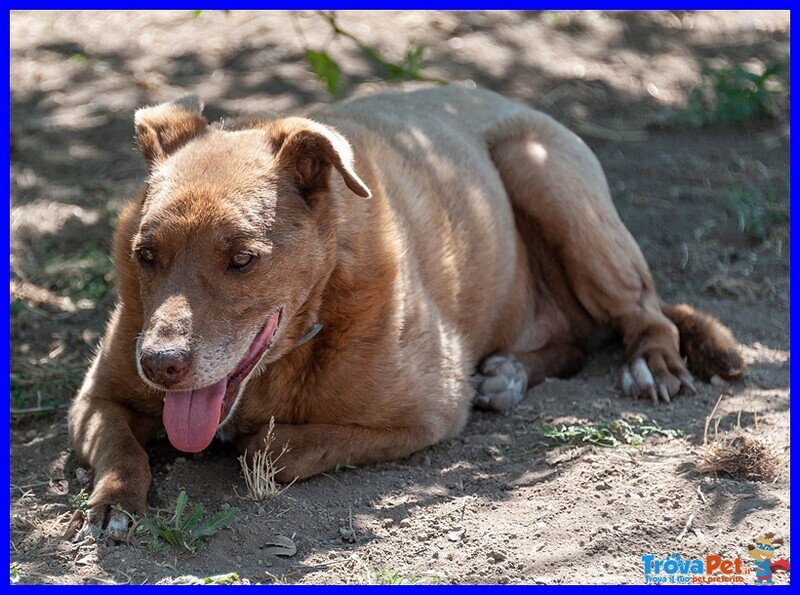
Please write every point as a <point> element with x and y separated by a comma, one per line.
<point>80,501</point>
<point>612,434</point>
<point>760,212</point>
<point>344,466</point>
<point>328,71</point>
<point>15,574</point>
<point>222,579</point>
<point>574,21</point>
<point>388,577</point>
<point>43,387</point>
<point>87,277</point>
<point>732,95</point>
<point>188,532</point>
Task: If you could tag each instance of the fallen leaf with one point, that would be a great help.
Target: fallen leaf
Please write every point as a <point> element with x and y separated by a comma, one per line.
<point>280,546</point>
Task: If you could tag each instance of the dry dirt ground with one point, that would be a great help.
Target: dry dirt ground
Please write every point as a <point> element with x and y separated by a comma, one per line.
<point>502,503</point>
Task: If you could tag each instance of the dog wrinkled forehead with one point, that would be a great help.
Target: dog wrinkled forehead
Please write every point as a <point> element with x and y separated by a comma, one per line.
<point>214,174</point>
<point>226,159</point>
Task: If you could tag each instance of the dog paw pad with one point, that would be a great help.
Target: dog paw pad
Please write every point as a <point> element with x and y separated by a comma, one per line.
<point>500,384</point>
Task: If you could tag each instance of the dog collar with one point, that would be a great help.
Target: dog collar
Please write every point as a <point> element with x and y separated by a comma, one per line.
<point>315,328</point>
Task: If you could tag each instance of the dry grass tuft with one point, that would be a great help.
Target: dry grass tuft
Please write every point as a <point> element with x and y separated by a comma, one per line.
<point>741,453</point>
<point>259,473</point>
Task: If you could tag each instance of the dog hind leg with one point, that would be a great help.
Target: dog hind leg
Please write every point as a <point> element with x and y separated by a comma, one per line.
<point>555,180</point>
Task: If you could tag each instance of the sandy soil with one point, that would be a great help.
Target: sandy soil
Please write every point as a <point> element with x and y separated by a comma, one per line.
<point>498,504</point>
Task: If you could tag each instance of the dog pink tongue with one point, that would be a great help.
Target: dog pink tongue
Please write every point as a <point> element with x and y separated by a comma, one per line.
<point>192,416</point>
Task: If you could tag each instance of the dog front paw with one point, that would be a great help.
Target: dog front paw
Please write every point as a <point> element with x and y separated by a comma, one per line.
<point>100,521</point>
<point>501,384</point>
<point>110,512</point>
<point>657,375</point>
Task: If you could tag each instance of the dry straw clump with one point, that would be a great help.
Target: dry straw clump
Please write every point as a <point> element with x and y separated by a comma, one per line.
<point>740,453</point>
<point>259,472</point>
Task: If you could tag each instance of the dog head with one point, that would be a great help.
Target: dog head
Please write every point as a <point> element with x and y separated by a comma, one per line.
<point>764,547</point>
<point>237,233</point>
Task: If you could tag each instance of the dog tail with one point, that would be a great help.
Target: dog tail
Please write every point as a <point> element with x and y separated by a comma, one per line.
<point>707,344</point>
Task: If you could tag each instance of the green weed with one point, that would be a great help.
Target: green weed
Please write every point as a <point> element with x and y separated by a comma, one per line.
<point>572,21</point>
<point>80,501</point>
<point>185,532</point>
<point>612,434</point>
<point>760,212</point>
<point>45,386</point>
<point>732,95</point>
<point>328,71</point>
<point>387,577</point>
<point>344,466</point>
<point>222,579</point>
<point>87,278</point>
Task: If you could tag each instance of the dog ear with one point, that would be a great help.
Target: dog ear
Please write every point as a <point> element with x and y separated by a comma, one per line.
<point>162,129</point>
<point>309,150</point>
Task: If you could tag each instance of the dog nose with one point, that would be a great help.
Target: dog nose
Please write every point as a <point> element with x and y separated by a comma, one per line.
<point>166,367</point>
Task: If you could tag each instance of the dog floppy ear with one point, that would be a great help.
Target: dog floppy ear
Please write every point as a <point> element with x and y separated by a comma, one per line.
<point>308,150</point>
<point>162,129</point>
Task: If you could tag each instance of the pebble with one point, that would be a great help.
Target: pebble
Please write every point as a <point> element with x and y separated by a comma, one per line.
<point>387,523</point>
<point>31,434</point>
<point>405,523</point>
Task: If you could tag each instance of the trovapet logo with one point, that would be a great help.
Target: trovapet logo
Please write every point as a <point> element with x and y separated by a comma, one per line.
<point>714,568</point>
<point>679,570</point>
<point>762,552</point>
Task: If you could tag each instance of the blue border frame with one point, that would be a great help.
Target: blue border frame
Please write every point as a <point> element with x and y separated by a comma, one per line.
<point>402,5</point>
<point>366,4</point>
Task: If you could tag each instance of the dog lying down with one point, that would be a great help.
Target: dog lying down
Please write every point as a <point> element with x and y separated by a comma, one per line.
<point>347,274</point>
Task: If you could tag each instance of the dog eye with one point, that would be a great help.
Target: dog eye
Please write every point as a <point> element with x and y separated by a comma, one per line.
<point>240,260</point>
<point>147,255</point>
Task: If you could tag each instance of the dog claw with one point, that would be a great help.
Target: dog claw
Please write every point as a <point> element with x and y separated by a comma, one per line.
<point>84,525</point>
<point>637,380</point>
<point>687,382</point>
<point>118,525</point>
<point>629,384</point>
<point>651,391</point>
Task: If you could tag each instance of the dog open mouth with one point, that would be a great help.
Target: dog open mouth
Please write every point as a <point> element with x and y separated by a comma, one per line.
<point>191,417</point>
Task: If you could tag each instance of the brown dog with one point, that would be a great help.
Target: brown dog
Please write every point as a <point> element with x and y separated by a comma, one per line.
<point>427,233</point>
